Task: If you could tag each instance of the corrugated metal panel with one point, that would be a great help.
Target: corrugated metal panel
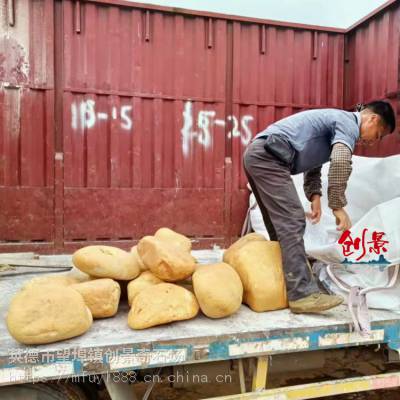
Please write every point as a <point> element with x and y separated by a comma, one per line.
<point>142,96</point>
<point>277,72</point>
<point>156,72</point>
<point>153,110</point>
<point>372,69</point>
<point>210,14</point>
<point>26,121</point>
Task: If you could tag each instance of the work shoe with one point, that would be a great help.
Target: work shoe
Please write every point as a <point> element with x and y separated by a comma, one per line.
<point>314,303</point>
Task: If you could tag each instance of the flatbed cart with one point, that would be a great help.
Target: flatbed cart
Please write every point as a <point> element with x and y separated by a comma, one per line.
<point>111,346</point>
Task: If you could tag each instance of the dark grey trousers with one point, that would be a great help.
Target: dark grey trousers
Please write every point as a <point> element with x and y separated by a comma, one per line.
<point>282,213</point>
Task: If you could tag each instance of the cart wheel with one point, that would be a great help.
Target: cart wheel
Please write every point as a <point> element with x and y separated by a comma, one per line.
<point>43,391</point>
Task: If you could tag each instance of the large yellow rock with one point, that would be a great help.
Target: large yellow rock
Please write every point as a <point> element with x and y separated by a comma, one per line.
<point>169,236</point>
<point>107,262</point>
<point>161,304</point>
<point>101,296</point>
<point>166,261</point>
<point>65,279</point>
<point>143,281</point>
<point>218,289</point>
<point>259,265</point>
<point>230,251</point>
<point>141,264</point>
<point>51,280</point>
<point>47,313</point>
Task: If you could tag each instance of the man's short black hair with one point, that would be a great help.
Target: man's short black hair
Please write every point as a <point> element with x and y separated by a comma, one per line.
<point>384,110</point>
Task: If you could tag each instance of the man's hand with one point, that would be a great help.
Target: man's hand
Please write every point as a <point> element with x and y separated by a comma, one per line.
<point>342,219</point>
<point>315,214</point>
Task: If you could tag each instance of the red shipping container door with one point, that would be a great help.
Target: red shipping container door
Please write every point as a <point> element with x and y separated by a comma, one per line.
<point>158,108</point>
<point>372,70</point>
<point>26,123</point>
<point>278,71</point>
<point>143,99</point>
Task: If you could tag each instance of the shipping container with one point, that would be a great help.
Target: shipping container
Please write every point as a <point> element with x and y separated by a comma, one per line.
<point>118,118</point>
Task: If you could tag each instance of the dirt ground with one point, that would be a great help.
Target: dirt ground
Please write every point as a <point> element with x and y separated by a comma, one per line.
<point>332,364</point>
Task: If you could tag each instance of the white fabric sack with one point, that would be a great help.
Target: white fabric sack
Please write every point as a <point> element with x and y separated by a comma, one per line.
<point>256,219</point>
<point>373,196</point>
<point>321,241</point>
<point>365,276</point>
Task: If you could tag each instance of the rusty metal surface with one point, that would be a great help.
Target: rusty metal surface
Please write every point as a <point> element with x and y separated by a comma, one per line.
<point>26,214</point>
<point>26,122</point>
<point>128,117</point>
<point>372,69</point>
